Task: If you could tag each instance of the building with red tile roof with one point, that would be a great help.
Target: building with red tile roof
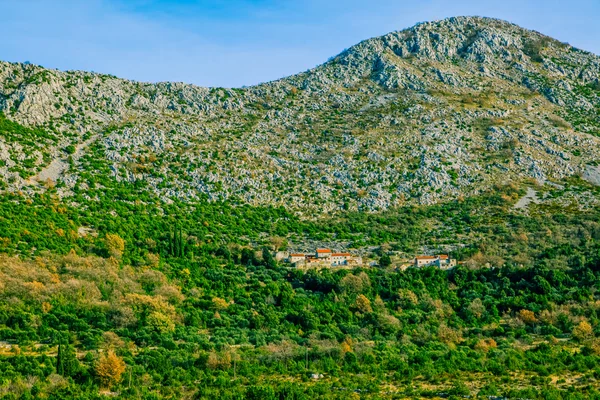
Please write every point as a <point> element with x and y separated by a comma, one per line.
<point>442,261</point>
<point>325,257</point>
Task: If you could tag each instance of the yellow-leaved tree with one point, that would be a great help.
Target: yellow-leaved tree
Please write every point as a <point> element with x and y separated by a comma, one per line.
<point>115,245</point>
<point>583,331</point>
<point>363,304</point>
<point>109,369</point>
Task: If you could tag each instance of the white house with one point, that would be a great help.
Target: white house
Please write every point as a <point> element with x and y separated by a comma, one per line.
<point>425,261</point>
<point>442,261</point>
<point>324,253</point>
<point>340,258</point>
<point>324,257</point>
<point>297,257</point>
<point>445,262</point>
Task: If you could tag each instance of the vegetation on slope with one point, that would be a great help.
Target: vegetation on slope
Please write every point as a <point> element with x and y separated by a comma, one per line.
<point>139,222</point>
<point>188,302</point>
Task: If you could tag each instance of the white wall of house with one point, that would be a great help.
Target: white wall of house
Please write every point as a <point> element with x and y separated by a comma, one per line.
<point>294,258</point>
<point>437,261</point>
<point>323,254</point>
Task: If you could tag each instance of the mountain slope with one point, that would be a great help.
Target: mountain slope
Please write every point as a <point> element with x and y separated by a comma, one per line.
<point>440,110</point>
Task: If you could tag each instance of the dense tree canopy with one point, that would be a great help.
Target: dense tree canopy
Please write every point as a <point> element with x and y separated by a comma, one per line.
<point>165,301</point>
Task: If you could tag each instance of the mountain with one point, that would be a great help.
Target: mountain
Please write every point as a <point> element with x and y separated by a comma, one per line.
<point>441,110</point>
<point>119,280</point>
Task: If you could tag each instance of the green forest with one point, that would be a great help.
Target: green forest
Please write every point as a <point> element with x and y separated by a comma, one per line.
<point>145,300</point>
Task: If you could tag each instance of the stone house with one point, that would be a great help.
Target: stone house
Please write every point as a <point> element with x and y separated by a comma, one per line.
<point>442,261</point>
<point>324,253</point>
<point>425,261</point>
<point>296,257</point>
<point>324,257</point>
<point>340,258</point>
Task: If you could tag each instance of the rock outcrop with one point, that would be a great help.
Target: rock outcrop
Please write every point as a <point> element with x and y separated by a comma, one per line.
<point>440,110</point>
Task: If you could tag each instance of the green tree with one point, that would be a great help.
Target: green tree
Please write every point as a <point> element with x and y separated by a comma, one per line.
<point>66,361</point>
<point>385,260</point>
<point>267,257</point>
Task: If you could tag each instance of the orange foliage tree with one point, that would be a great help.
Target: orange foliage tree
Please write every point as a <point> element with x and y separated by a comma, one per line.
<point>109,369</point>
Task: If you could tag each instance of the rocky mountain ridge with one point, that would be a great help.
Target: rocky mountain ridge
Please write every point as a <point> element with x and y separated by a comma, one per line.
<point>443,109</point>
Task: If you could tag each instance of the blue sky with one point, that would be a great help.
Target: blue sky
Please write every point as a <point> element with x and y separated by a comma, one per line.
<point>236,42</point>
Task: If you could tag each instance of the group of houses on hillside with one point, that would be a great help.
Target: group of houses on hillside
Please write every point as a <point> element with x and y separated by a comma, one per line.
<point>327,258</point>
<point>324,257</point>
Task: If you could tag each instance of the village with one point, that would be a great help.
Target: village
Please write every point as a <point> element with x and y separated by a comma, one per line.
<point>327,258</point>
<point>324,257</point>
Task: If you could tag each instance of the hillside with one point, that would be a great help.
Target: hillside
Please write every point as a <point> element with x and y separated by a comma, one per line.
<point>443,109</point>
<point>144,227</point>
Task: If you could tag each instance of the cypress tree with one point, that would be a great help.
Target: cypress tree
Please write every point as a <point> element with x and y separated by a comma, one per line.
<point>60,369</point>
<point>181,243</point>
<point>171,243</point>
<point>69,362</point>
<point>268,259</point>
<point>177,242</point>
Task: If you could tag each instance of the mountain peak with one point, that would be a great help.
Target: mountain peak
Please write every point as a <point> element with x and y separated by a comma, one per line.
<point>474,38</point>
<point>489,44</point>
<point>440,110</point>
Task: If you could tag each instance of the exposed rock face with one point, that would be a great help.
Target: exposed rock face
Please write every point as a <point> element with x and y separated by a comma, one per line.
<point>443,109</point>
<point>592,175</point>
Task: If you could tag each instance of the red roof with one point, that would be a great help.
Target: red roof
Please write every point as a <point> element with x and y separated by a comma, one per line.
<point>443,256</point>
<point>426,257</point>
<point>297,255</point>
<point>323,251</point>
